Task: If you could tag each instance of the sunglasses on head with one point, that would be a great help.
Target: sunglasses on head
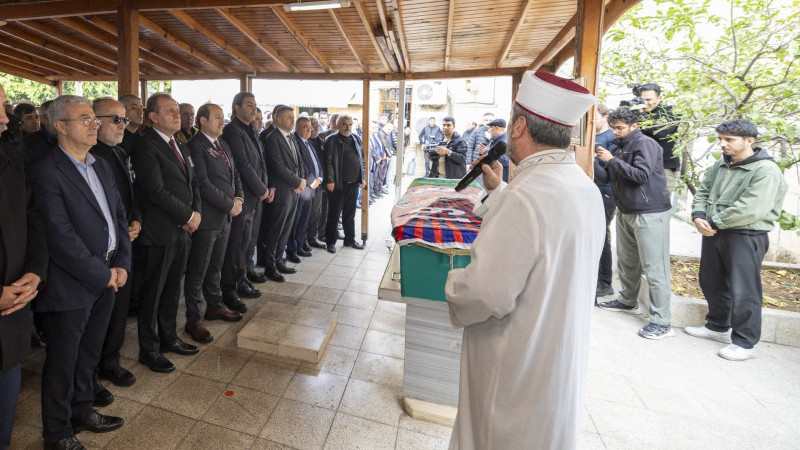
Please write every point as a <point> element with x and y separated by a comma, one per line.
<point>118,119</point>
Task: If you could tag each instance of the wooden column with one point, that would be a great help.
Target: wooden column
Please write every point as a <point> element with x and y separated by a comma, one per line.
<point>516,80</point>
<point>588,38</point>
<point>401,141</point>
<point>143,91</point>
<point>365,145</point>
<point>59,88</point>
<point>127,50</point>
<point>245,83</point>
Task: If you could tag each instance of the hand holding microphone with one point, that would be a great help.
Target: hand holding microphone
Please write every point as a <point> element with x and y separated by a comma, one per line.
<point>494,153</point>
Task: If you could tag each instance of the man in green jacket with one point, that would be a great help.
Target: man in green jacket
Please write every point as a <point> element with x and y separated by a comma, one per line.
<point>735,206</point>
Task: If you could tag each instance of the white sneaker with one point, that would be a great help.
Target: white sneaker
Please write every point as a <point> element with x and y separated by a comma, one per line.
<point>735,353</point>
<point>705,333</point>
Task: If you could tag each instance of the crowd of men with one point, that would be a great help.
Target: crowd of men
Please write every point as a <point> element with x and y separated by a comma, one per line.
<point>129,200</point>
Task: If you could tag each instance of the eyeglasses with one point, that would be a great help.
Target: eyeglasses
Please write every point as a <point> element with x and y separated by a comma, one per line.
<point>118,119</point>
<point>620,128</point>
<point>87,121</point>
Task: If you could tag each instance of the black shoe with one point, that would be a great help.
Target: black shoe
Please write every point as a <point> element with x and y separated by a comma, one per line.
<point>156,362</point>
<point>293,258</point>
<point>179,347</point>
<point>274,275</point>
<point>306,248</point>
<point>304,253</point>
<point>340,237</point>
<point>102,396</point>
<point>68,443</point>
<point>249,292</point>
<point>235,304</point>
<point>118,376</point>
<point>97,423</point>
<point>331,249</point>
<point>355,245</point>
<point>316,244</point>
<point>256,277</point>
<point>283,268</point>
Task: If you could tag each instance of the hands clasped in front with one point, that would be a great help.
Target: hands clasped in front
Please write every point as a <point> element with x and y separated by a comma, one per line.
<point>119,277</point>
<point>19,293</point>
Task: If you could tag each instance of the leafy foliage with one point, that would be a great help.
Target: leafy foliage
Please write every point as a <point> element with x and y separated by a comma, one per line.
<point>20,89</point>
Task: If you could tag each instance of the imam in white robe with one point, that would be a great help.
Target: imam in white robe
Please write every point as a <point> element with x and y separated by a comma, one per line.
<point>525,302</point>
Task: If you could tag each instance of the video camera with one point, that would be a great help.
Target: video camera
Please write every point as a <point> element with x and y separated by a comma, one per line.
<point>430,149</point>
<point>636,89</point>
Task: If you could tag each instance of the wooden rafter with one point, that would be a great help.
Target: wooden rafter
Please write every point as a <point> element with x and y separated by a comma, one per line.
<point>36,59</point>
<point>6,67</point>
<point>20,61</point>
<point>521,17</point>
<point>268,48</point>
<point>368,29</point>
<point>450,14</point>
<point>389,36</point>
<point>337,20</point>
<point>181,44</point>
<point>36,45</point>
<point>563,37</point>
<point>192,23</point>
<point>397,13</point>
<point>300,37</point>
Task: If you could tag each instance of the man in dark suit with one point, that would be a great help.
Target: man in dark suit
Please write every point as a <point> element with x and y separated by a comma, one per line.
<point>285,168</point>
<point>221,193</point>
<point>247,157</point>
<point>135,112</point>
<point>23,265</point>
<point>86,228</point>
<point>312,168</point>
<point>344,176</point>
<point>109,135</point>
<point>169,198</point>
<point>319,207</point>
<point>187,123</point>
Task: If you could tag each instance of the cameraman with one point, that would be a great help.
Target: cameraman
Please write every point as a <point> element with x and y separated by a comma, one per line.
<point>448,159</point>
<point>659,115</point>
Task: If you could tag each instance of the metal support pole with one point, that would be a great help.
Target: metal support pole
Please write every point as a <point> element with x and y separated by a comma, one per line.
<point>365,146</point>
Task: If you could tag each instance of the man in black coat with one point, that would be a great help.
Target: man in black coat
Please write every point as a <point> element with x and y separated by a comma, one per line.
<point>86,228</point>
<point>319,206</point>
<point>23,265</point>
<point>344,176</point>
<point>169,197</point>
<point>285,166</point>
<point>312,169</point>
<point>448,160</point>
<point>135,112</point>
<point>662,128</point>
<point>109,136</point>
<point>221,193</point>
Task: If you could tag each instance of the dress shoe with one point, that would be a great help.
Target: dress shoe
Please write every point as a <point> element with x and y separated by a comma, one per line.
<point>179,347</point>
<point>156,362</point>
<point>304,253</point>
<point>118,376</point>
<point>198,332</point>
<point>102,396</point>
<point>97,423</point>
<point>223,314</point>
<point>283,268</point>
<point>256,277</point>
<point>316,244</point>
<point>235,304</point>
<point>249,292</point>
<point>331,249</point>
<point>340,237</point>
<point>355,245</point>
<point>293,258</point>
<point>274,275</point>
<point>68,443</point>
<point>306,248</point>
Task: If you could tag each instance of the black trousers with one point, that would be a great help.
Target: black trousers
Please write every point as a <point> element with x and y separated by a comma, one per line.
<point>322,226</point>
<point>257,245</point>
<point>9,394</point>
<point>297,234</point>
<point>281,219</point>
<point>74,341</point>
<point>380,176</point>
<point>234,269</point>
<point>115,335</point>
<point>730,277</point>
<point>164,267</point>
<point>204,271</point>
<point>315,217</point>
<point>342,201</point>
<point>605,270</point>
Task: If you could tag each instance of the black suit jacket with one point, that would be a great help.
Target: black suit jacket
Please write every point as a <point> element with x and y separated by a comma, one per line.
<point>166,193</point>
<point>249,161</point>
<point>77,232</point>
<point>308,167</point>
<point>117,157</point>
<point>22,250</point>
<point>218,185</point>
<point>284,170</point>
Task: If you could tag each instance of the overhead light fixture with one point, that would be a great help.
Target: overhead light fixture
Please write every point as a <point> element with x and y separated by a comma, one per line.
<point>314,5</point>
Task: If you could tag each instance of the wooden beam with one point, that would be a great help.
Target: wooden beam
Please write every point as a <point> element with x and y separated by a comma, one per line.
<point>521,17</point>
<point>449,40</point>
<point>50,39</point>
<point>338,22</point>
<point>34,45</point>
<point>389,36</point>
<point>181,44</point>
<point>369,30</point>
<point>59,88</point>
<point>143,91</point>
<point>589,38</point>
<point>397,13</point>
<point>10,69</point>
<point>561,39</point>
<point>91,54</point>
<point>300,37</point>
<point>269,49</point>
<point>127,51</point>
<point>365,148</point>
<point>37,60</point>
<point>192,23</point>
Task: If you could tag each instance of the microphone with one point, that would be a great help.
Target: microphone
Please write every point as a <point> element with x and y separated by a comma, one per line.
<point>494,153</point>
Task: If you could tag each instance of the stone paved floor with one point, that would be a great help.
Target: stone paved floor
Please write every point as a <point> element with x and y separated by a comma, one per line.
<point>671,394</point>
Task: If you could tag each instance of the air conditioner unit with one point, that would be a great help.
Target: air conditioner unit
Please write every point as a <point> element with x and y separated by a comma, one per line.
<point>430,94</point>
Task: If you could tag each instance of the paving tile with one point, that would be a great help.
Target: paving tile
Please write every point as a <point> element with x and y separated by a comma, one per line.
<point>323,294</point>
<point>279,312</point>
<point>372,401</point>
<point>314,265</point>
<point>348,336</point>
<point>263,444</point>
<point>350,432</point>
<point>332,282</point>
<point>287,288</point>
<point>385,344</point>
<point>347,260</point>
<point>591,441</point>
<point>379,369</point>
<point>244,410</point>
<point>359,300</point>
<point>340,271</point>
<point>398,309</point>
<point>298,425</point>
<point>612,387</point>
<point>303,343</point>
<point>205,435</point>
<point>315,304</point>
<point>321,389</point>
<point>307,278</point>
<point>25,435</point>
<point>337,360</point>
<point>219,364</point>
<point>411,440</point>
<point>364,287</point>
<point>153,428</point>
<point>316,318</point>
<point>30,384</point>
<point>148,384</point>
<point>388,323</point>
<point>189,395</point>
<point>266,375</point>
<point>368,274</point>
<point>425,427</point>
<point>353,316</point>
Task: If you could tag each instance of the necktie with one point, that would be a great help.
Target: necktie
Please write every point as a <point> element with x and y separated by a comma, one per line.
<point>290,139</point>
<point>313,156</point>
<point>224,156</point>
<point>177,153</point>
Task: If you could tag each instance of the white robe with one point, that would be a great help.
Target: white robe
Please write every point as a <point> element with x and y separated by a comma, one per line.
<point>525,302</point>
